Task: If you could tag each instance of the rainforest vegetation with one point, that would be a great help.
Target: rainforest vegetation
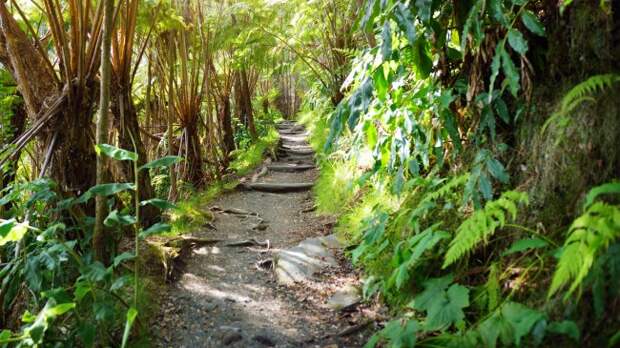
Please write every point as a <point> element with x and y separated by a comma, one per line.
<point>468,150</point>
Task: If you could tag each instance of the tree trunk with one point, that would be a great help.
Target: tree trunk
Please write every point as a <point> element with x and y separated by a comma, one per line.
<point>73,160</point>
<point>226,119</point>
<point>173,178</point>
<point>18,123</point>
<point>195,173</point>
<point>243,101</point>
<point>101,235</point>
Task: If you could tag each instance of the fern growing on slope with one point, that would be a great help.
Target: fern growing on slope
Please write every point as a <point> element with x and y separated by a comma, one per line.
<point>482,224</point>
<point>588,237</point>
<point>578,94</point>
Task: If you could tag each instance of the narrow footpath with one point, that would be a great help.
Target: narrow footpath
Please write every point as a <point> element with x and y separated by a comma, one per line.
<point>276,278</point>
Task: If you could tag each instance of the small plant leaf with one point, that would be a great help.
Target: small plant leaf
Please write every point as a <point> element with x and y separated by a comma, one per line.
<point>115,153</point>
<point>532,23</point>
<point>155,229</point>
<point>159,203</point>
<point>132,313</point>
<point>525,244</point>
<point>162,162</point>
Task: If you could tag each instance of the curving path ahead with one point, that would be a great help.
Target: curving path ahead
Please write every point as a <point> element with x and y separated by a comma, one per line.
<point>228,294</point>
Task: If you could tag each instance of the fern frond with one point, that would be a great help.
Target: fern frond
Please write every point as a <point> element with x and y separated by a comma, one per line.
<point>578,94</point>
<point>482,224</point>
<point>447,188</point>
<point>588,87</point>
<point>589,235</point>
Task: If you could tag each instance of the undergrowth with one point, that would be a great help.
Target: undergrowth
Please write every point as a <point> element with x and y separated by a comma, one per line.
<point>249,157</point>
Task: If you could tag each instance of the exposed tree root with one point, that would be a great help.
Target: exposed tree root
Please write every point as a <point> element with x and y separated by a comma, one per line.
<point>290,167</point>
<point>280,188</point>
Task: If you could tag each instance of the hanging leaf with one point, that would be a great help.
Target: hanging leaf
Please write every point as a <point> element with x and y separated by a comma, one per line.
<point>565,327</point>
<point>532,23</point>
<point>104,190</point>
<point>123,257</point>
<point>115,219</point>
<point>424,9</point>
<point>162,162</point>
<point>525,244</point>
<point>422,58</point>
<point>495,65</point>
<point>405,21</point>
<point>159,203</point>
<point>517,42</point>
<point>115,153</point>
<point>12,232</point>
<point>386,43</point>
<point>155,229</point>
<point>511,73</point>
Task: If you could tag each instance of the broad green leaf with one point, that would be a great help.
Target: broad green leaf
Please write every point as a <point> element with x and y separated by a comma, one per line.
<point>424,9</point>
<point>155,229</point>
<point>565,327</point>
<point>517,41</point>
<point>61,309</point>
<point>386,43</point>
<point>497,170</point>
<point>422,58</point>
<point>451,127</point>
<point>613,188</point>
<point>531,22</point>
<point>120,282</point>
<point>104,190</point>
<point>370,12</point>
<point>495,65</point>
<point>162,162</point>
<point>493,328</point>
<point>431,288</point>
<point>380,83</point>
<point>497,12</point>
<point>484,184</point>
<point>94,272</point>
<point>400,333</point>
<point>123,257</point>
<point>6,226</point>
<point>115,153</point>
<point>132,313</point>
<point>521,318</point>
<point>159,203</point>
<point>511,73</point>
<point>405,21</point>
<point>14,234</point>
<point>5,335</point>
<point>115,219</point>
<point>448,309</point>
<point>502,110</point>
<point>82,288</point>
<point>525,244</point>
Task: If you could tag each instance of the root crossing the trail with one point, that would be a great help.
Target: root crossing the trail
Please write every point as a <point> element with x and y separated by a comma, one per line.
<point>231,293</point>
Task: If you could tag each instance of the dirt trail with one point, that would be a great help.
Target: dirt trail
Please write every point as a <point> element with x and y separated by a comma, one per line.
<point>228,295</point>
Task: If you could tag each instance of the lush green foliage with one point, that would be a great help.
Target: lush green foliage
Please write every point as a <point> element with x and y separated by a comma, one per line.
<point>433,102</point>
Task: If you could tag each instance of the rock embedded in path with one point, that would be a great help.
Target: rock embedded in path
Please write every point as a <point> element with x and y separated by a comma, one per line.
<point>346,296</point>
<point>301,262</point>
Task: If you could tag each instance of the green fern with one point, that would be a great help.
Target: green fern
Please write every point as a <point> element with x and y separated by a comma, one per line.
<point>588,237</point>
<point>482,224</point>
<point>578,94</point>
<point>447,188</point>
